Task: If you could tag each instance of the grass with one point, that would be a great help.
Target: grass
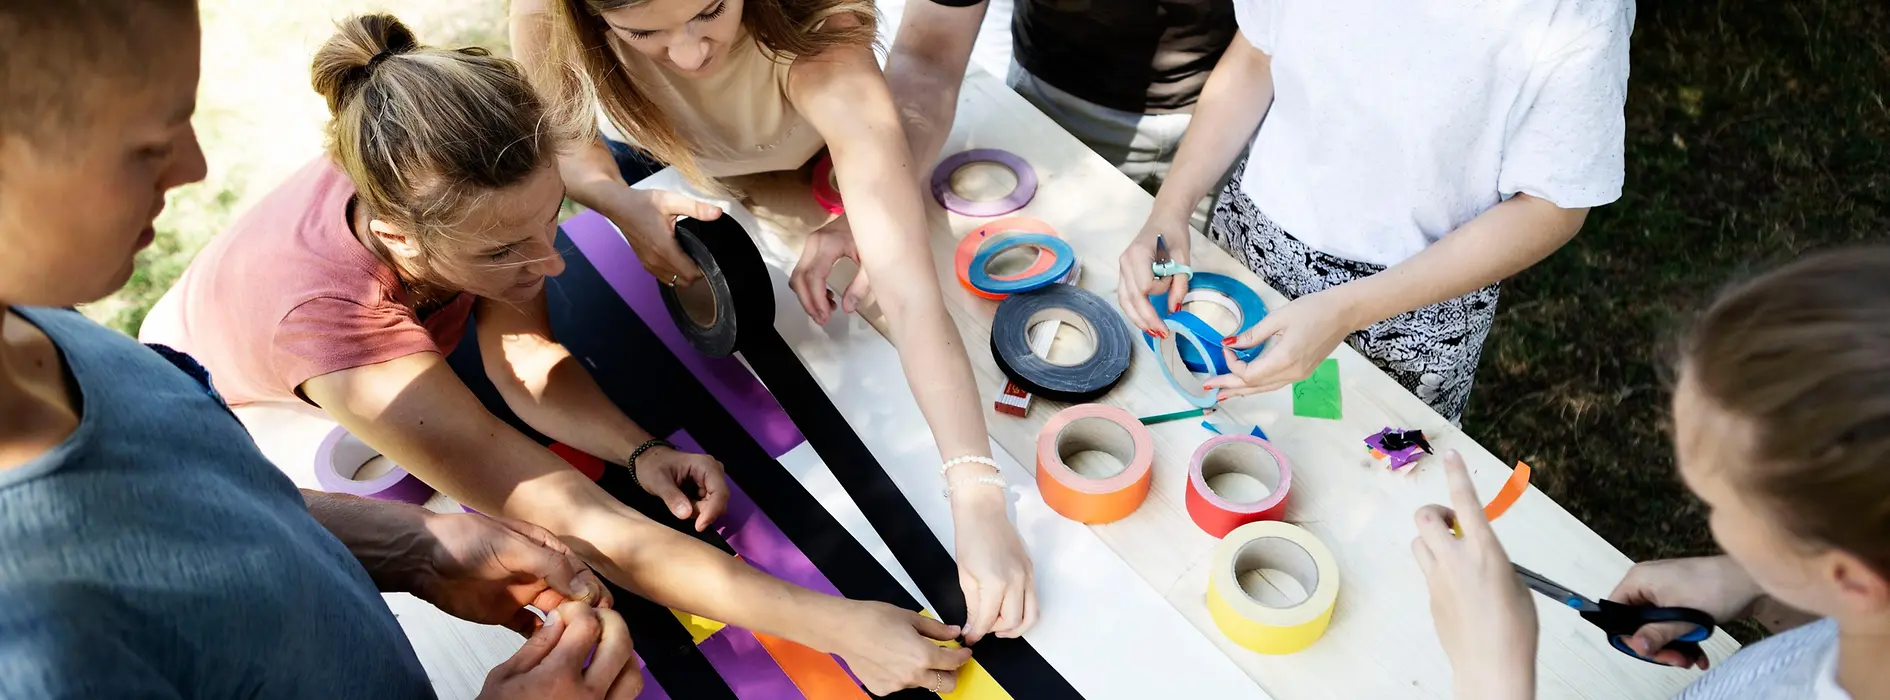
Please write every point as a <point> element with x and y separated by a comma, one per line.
<point>1756,131</point>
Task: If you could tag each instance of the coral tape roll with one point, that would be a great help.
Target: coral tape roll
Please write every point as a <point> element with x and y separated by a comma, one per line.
<point>1282,627</point>
<point>1018,197</point>
<point>1240,301</point>
<point>1221,478</point>
<point>341,452</point>
<point>1168,352</point>
<point>1064,258</point>
<point>826,193</point>
<point>1094,427</point>
<point>969,245</point>
<point>736,302</point>
<point>1076,383</point>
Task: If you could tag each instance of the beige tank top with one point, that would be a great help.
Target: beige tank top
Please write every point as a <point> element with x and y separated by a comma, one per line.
<point>737,118</point>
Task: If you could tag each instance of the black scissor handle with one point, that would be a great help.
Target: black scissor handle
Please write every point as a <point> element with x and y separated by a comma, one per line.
<point>1620,621</point>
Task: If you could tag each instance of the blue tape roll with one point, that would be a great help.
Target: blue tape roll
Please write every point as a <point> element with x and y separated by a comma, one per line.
<point>980,276</point>
<point>1167,354</point>
<point>1251,307</point>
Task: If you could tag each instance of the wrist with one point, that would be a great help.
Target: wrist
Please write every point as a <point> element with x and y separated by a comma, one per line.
<point>621,204</point>
<point>402,559</point>
<point>1172,212</point>
<point>1355,308</point>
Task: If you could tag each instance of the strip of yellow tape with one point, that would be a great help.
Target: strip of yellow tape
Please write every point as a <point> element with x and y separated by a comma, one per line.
<point>974,683</point>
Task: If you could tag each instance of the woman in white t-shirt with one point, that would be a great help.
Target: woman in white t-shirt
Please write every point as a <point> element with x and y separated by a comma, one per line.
<point>1782,428</point>
<point>1408,157</point>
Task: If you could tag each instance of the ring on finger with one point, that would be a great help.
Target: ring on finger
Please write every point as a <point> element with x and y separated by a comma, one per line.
<point>674,278</point>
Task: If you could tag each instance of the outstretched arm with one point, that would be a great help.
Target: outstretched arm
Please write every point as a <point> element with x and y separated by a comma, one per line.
<point>844,96</point>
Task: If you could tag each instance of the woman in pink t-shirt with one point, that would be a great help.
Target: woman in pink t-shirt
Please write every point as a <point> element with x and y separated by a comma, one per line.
<point>348,286</point>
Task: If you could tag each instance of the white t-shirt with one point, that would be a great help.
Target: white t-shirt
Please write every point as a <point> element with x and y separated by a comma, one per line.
<point>1797,665</point>
<point>1393,123</point>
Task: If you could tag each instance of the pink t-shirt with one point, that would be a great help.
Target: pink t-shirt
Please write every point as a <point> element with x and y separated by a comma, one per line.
<point>289,294</point>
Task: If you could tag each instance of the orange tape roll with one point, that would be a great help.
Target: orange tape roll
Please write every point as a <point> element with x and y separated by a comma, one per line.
<point>1094,490</point>
<point>969,245</point>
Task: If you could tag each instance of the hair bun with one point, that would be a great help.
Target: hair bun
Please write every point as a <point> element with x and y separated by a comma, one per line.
<point>346,62</point>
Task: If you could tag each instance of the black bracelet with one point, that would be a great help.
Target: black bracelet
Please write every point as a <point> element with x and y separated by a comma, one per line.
<point>638,452</point>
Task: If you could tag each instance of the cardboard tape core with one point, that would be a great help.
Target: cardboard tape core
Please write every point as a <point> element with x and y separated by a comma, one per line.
<point>1095,448</point>
<point>1275,573</point>
<point>1240,472</point>
<point>1272,587</point>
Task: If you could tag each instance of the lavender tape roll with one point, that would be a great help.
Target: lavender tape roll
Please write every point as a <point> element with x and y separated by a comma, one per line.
<point>1019,196</point>
<point>342,455</point>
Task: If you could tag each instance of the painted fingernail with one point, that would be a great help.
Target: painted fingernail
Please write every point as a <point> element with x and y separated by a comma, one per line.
<point>1229,341</point>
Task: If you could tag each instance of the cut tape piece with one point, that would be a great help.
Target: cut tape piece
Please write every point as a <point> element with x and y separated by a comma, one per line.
<point>747,668</point>
<point>1228,483</point>
<point>1318,396</point>
<point>1073,383</point>
<point>1018,197</point>
<point>1064,258</point>
<point>1089,492</point>
<point>699,627</point>
<point>1272,587</point>
<point>817,675</point>
<point>345,464</point>
<point>1512,489</point>
<point>1168,354</point>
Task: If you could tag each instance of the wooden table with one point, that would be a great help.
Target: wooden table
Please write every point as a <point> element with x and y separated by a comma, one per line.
<point>1381,642</point>
<point>1133,590</point>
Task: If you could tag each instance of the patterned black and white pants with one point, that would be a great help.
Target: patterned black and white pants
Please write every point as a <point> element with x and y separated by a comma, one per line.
<point>1433,351</point>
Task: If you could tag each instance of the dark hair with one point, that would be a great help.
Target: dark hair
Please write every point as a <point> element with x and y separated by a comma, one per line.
<point>584,71</point>
<point>423,132</point>
<point>1803,354</point>
<point>57,54</point>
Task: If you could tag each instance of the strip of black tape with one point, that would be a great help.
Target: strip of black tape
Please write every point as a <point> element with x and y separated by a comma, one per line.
<point>1012,662</point>
<point>604,333</point>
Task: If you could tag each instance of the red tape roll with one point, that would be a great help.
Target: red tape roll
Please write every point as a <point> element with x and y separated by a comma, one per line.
<point>1227,485</point>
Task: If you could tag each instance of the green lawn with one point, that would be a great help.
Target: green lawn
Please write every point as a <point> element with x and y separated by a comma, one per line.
<point>1756,131</point>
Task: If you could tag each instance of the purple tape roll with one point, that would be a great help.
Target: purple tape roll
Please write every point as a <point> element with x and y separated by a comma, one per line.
<point>1019,196</point>
<point>342,452</point>
<point>725,377</point>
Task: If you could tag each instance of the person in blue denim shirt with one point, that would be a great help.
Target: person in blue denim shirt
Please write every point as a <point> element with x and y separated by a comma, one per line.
<point>150,550</point>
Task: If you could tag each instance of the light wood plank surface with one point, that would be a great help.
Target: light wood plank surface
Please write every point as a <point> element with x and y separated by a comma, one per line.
<point>1381,642</point>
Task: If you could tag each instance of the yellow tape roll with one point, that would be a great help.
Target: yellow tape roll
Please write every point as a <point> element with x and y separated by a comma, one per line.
<point>1249,594</point>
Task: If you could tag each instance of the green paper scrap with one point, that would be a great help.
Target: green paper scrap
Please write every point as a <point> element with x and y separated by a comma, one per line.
<point>1318,396</point>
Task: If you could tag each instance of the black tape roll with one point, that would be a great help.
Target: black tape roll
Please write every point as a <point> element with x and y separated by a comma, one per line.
<point>1077,383</point>
<point>731,269</point>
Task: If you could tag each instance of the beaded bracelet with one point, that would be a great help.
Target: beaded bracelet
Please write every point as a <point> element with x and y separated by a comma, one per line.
<point>967,459</point>
<point>638,452</point>
<point>988,480</point>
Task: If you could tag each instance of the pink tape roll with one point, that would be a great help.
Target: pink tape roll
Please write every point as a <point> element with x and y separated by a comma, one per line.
<point>825,192</point>
<point>342,452</point>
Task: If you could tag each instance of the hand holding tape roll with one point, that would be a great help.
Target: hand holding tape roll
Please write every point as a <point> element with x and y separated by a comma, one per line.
<point>1182,328</point>
<point>714,314</point>
<point>1095,488</point>
<point>345,464</point>
<point>1237,300</point>
<point>1272,587</point>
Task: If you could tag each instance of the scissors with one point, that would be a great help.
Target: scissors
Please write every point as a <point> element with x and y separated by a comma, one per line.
<point>1620,620</point>
<point>1165,266</point>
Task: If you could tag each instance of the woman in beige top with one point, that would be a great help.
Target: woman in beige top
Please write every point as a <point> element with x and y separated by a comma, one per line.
<point>718,88</point>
